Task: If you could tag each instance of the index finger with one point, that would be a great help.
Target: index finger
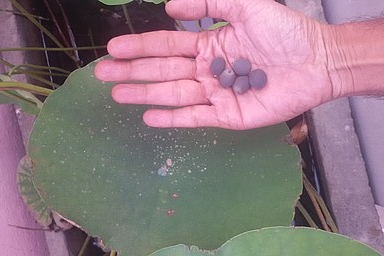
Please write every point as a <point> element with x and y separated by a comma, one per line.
<point>154,44</point>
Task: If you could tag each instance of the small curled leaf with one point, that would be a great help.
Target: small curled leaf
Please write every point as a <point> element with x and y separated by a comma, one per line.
<point>115,2</point>
<point>217,25</point>
<point>154,1</point>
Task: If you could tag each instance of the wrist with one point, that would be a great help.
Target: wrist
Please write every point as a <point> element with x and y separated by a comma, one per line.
<point>355,54</point>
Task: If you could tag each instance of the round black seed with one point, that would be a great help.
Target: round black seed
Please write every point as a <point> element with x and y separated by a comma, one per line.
<point>257,79</point>
<point>242,66</point>
<point>241,84</point>
<point>217,66</point>
<point>227,78</point>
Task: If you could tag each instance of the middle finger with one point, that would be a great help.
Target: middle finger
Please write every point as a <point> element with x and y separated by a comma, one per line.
<point>147,69</point>
<point>174,93</point>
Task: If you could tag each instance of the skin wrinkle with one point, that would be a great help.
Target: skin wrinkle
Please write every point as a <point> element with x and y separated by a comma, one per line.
<point>246,13</point>
<point>204,93</point>
<point>170,42</point>
<point>185,99</point>
<point>146,93</point>
<point>202,37</point>
<point>221,39</point>
<point>349,67</point>
<point>338,74</point>
<point>194,70</point>
<point>251,32</point>
<point>194,116</point>
<point>173,119</point>
<point>205,43</point>
<point>141,45</point>
<point>233,14</point>
<point>227,115</point>
<point>256,95</point>
<point>206,8</point>
<point>168,70</point>
<point>239,110</point>
<point>176,93</point>
<point>128,66</point>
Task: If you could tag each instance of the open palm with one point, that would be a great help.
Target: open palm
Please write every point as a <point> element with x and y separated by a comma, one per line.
<point>287,45</point>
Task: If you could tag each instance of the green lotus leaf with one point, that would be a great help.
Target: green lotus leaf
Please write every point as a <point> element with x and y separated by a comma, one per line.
<point>279,241</point>
<point>140,188</point>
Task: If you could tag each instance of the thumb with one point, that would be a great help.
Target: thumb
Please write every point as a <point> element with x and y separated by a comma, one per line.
<point>229,10</point>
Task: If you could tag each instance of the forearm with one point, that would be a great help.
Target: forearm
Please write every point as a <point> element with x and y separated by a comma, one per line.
<point>355,54</point>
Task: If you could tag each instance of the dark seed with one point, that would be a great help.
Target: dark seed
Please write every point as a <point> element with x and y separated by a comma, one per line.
<point>242,66</point>
<point>227,78</point>
<point>217,66</point>
<point>257,79</point>
<point>241,84</point>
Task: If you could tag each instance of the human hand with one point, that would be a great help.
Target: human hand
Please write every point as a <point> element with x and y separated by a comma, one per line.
<point>288,46</point>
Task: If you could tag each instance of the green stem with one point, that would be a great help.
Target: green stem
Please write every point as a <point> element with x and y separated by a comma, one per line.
<point>38,78</point>
<point>178,23</point>
<point>55,22</point>
<point>316,205</point>
<point>93,42</point>
<point>42,28</point>
<point>128,19</point>
<point>36,23</point>
<point>11,85</point>
<point>308,186</point>
<point>19,13</point>
<point>20,99</point>
<point>38,73</point>
<point>197,23</point>
<point>306,215</point>
<point>84,246</point>
<point>19,67</point>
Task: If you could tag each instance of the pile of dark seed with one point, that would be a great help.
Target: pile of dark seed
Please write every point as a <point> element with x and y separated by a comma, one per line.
<point>241,77</point>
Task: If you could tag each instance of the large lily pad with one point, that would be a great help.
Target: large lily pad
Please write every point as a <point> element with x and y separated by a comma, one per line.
<point>279,241</point>
<point>140,188</point>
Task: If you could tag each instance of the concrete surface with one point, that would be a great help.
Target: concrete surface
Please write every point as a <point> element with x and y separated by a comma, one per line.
<point>311,8</point>
<point>368,113</point>
<point>13,212</point>
<point>380,211</point>
<point>342,173</point>
<point>336,145</point>
<point>341,11</point>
